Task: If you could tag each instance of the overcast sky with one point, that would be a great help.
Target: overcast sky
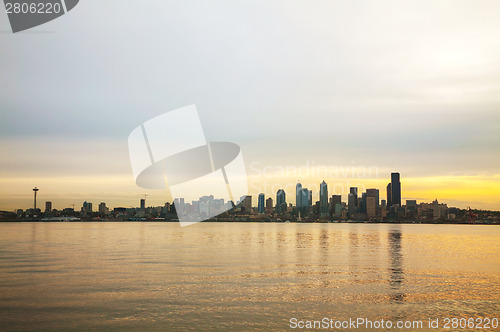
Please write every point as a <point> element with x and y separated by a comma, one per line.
<point>411,86</point>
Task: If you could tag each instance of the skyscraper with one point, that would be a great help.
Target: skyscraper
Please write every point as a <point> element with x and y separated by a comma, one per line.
<point>374,193</point>
<point>303,208</point>
<point>370,207</point>
<point>389,195</point>
<point>298,193</point>
<point>261,203</point>
<point>269,205</point>
<point>354,191</point>
<point>48,206</point>
<point>323,199</point>
<point>87,207</point>
<point>143,204</point>
<point>280,201</point>
<point>395,189</point>
<point>334,200</point>
<point>351,204</point>
<point>246,203</point>
<point>102,208</point>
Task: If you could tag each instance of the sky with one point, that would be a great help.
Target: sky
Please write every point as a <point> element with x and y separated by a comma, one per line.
<point>331,88</point>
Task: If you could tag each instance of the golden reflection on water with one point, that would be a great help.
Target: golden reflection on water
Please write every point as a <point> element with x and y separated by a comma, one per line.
<point>115,276</point>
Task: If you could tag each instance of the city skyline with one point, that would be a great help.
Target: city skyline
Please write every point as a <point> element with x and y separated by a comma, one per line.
<point>417,92</point>
<point>303,196</point>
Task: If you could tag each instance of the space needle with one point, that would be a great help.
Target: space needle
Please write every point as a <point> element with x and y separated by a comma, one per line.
<point>35,190</point>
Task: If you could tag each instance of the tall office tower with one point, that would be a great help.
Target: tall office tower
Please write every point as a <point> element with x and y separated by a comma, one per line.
<point>351,204</point>
<point>246,203</point>
<point>395,189</point>
<point>374,193</point>
<point>48,206</point>
<point>310,198</point>
<point>371,208</point>
<point>303,208</point>
<point>102,208</point>
<point>269,205</point>
<point>87,207</point>
<point>323,199</point>
<point>362,205</point>
<point>389,195</point>
<point>143,204</point>
<point>280,201</point>
<point>261,203</point>
<point>298,195</point>
<point>354,191</point>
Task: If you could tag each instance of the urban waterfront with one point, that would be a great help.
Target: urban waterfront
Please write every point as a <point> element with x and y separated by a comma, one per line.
<point>242,276</point>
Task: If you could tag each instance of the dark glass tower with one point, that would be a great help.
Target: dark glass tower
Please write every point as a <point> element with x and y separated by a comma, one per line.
<point>395,189</point>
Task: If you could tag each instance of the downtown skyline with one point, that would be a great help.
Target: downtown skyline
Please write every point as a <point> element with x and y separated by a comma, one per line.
<point>303,200</point>
<point>290,83</point>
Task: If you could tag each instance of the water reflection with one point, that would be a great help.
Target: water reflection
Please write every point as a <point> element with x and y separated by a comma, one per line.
<point>241,276</point>
<point>396,273</point>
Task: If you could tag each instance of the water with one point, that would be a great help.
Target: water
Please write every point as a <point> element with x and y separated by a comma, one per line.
<point>241,276</point>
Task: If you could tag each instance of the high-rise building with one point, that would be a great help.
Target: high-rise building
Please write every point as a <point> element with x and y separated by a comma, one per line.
<point>143,204</point>
<point>323,199</point>
<point>87,207</point>
<point>411,208</point>
<point>280,201</point>
<point>362,203</point>
<point>351,204</point>
<point>261,203</point>
<point>371,208</point>
<point>354,191</point>
<point>166,208</point>
<point>303,208</point>
<point>336,199</point>
<point>395,189</point>
<point>389,195</point>
<point>102,208</point>
<point>310,198</point>
<point>246,203</point>
<point>374,193</point>
<point>48,206</point>
<point>269,205</point>
<point>338,210</point>
<point>298,195</point>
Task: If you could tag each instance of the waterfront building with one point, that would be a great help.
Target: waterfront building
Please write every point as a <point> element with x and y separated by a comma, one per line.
<point>261,203</point>
<point>102,208</point>
<point>395,189</point>
<point>371,207</point>
<point>298,195</point>
<point>48,207</point>
<point>375,194</point>
<point>323,199</point>
<point>354,192</point>
<point>269,205</point>
<point>351,204</point>
<point>280,201</point>
<point>246,204</point>
<point>389,195</point>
